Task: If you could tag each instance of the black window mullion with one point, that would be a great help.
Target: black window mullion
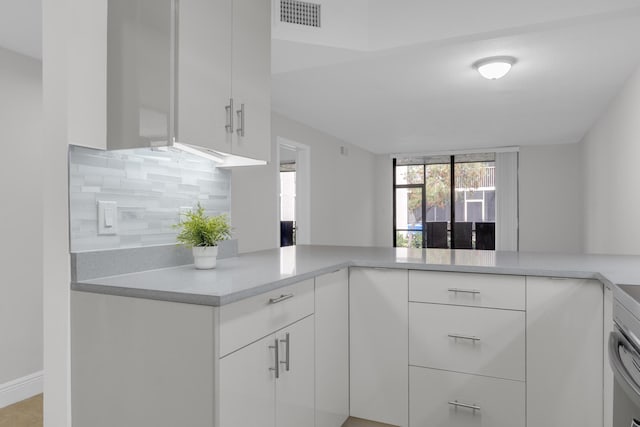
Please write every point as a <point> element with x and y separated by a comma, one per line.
<point>424,206</point>
<point>452,183</point>
<point>393,171</point>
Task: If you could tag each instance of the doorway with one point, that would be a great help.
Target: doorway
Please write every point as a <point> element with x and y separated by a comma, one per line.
<point>294,193</point>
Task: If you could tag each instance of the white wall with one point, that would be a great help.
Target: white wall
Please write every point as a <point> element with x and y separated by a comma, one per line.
<point>74,100</point>
<point>384,201</point>
<point>550,198</point>
<point>21,225</point>
<point>342,187</point>
<point>611,153</point>
<point>342,192</point>
<point>254,205</point>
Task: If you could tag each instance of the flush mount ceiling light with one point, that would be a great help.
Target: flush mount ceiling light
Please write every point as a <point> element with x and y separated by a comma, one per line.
<point>495,67</point>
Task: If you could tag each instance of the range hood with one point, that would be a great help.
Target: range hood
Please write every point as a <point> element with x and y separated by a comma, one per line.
<point>222,160</point>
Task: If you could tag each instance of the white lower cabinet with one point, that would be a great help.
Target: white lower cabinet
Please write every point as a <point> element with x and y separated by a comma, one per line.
<point>467,361</point>
<point>332,349</point>
<point>350,343</point>
<point>450,399</point>
<point>564,352</point>
<point>247,382</point>
<point>271,381</point>
<point>468,339</point>
<point>295,389</point>
<point>379,345</point>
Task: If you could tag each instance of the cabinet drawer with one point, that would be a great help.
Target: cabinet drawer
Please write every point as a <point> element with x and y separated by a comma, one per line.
<point>468,339</point>
<point>501,403</point>
<point>480,290</point>
<point>248,320</point>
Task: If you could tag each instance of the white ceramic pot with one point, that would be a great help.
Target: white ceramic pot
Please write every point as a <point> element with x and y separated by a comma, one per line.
<point>204,257</point>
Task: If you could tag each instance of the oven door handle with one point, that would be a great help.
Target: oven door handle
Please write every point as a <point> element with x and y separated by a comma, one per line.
<point>617,339</point>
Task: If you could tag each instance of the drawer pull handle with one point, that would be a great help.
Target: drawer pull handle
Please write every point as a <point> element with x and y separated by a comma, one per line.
<point>276,367</point>
<point>464,337</point>
<point>287,341</point>
<point>464,291</point>
<point>280,298</point>
<point>457,404</point>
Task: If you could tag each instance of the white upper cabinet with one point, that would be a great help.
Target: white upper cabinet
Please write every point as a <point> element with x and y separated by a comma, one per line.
<point>204,73</point>
<point>251,78</point>
<point>139,74</point>
<point>197,71</point>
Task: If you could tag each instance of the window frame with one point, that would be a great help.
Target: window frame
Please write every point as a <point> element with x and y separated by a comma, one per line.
<point>452,207</point>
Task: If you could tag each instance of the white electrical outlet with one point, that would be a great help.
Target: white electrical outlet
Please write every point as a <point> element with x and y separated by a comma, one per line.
<point>107,218</point>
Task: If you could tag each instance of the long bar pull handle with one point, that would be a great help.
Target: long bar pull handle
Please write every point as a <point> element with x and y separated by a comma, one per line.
<point>464,337</point>
<point>276,368</point>
<point>280,298</point>
<point>287,341</point>
<point>240,113</point>
<point>229,110</point>
<point>457,404</point>
<point>464,291</point>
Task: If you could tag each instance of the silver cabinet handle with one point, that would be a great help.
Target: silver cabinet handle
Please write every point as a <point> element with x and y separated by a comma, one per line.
<point>464,337</point>
<point>457,404</point>
<point>464,291</point>
<point>280,298</point>
<point>240,113</point>
<point>229,110</point>
<point>276,368</point>
<point>287,342</point>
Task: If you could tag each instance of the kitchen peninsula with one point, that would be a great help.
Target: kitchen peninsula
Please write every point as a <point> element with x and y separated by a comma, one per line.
<point>310,335</point>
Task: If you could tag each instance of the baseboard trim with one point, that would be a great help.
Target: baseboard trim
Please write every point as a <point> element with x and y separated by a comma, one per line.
<point>22,388</point>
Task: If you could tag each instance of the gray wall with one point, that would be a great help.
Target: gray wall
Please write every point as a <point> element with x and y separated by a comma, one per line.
<point>21,225</point>
<point>384,201</point>
<point>149,186</point>
<point>342,192</point>
<point>342,187</point>
<point>611,151</point>
<point>550,193</point>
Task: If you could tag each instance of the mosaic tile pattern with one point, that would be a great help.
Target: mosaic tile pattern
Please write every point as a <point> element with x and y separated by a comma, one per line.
<point>149,187</point>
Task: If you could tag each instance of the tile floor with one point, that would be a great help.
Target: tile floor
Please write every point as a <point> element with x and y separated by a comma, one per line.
<point>27,413</point>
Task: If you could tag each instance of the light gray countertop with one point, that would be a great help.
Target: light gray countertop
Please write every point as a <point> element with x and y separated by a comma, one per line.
<point>258,272</point>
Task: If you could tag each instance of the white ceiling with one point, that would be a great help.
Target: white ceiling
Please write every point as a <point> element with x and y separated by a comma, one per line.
<point>411,87</point>
<point>21,26</point>
<point>396,76</point>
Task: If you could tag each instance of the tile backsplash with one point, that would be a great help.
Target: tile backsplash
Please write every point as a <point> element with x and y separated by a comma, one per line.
<point>149,188</point>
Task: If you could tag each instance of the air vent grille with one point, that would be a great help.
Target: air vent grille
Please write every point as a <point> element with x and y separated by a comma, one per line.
<point>300,12</point>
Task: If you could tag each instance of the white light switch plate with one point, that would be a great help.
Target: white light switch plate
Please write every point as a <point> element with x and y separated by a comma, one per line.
<point>107,218</point>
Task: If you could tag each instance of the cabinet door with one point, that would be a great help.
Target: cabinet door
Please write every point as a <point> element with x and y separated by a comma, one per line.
<point>379,345</point>
<point>332,349</point>
<point>247,386</point>
<point>138,73</point>
<point>295,387</point>
<point>564,352</point>
<point>204,73</point>
<point>484,401</point>
<point>473,340</point>
<point>251,77</point>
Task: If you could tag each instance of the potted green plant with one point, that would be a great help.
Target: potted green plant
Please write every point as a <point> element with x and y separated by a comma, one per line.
<point>202,233</point>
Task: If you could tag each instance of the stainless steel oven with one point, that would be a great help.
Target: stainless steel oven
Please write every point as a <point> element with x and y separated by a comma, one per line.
<point>624,356</point>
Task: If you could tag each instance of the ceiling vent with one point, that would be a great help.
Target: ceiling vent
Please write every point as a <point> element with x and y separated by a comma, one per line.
<point>300,13</point>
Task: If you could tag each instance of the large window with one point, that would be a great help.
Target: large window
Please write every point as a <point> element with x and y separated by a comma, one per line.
<point>427,213</point>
